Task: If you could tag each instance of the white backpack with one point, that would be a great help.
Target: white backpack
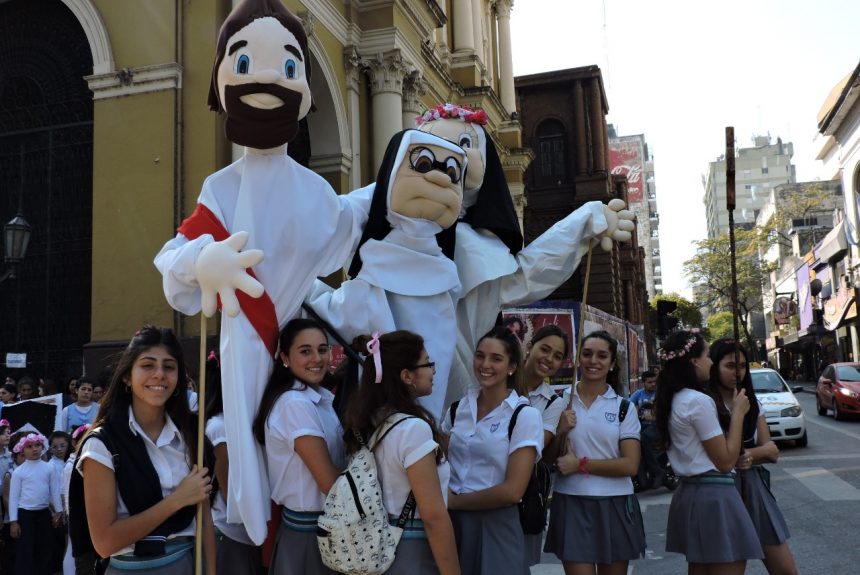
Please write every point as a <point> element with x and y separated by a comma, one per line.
<point>353,533</point>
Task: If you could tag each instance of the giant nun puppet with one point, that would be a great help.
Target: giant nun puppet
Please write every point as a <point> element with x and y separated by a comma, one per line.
<point>403,276</point>
<point>495,270</point>
<point>263,230</point>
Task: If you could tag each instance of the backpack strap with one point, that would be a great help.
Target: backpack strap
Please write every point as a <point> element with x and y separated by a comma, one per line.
<point>382,430</point>
<point>513,421</point>
<point>551,399</point>
<point>622,409</point>
<point>453,411</point>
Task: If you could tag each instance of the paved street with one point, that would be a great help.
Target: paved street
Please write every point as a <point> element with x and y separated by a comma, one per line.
<point>818,489</point>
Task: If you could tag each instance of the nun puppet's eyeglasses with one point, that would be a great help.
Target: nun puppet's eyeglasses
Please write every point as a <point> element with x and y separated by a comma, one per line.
<point>422,160</point>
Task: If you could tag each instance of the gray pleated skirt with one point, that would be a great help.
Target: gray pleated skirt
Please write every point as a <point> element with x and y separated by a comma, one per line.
<point>533,548</point>
<point>767,519</point>
<point>183,566</point>
<point>709,524</point>
<point>235,558</point>
<point>413,557</point>
<point>595,530</point>
<point>490,542</point>
<point>297,553</point>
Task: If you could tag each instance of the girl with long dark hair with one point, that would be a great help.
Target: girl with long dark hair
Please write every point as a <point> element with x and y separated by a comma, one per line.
<point>595,523</point>
<point>141,513</point>
<point>236,554</point>
<point>707,520</point>
<point>491,460</point>
<point>304,445</point>
<point>409,457</point>
<point>729,373</point>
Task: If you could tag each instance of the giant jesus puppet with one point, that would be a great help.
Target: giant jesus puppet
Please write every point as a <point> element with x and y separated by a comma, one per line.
<point>265,228</point>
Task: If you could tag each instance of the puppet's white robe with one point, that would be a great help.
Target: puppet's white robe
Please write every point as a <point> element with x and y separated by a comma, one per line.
<point>493,279</point>
<point>405,282</point>
<point>305,230</point>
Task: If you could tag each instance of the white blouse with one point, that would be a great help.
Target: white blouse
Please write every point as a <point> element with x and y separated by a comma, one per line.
<point>236,531</point>
<point>299,413</point>
<point>693,421</point>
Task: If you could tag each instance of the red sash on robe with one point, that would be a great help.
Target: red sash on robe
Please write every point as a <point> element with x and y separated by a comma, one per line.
<point>259,311</point>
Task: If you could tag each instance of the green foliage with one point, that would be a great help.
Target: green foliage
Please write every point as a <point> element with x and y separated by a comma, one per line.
<point>720,325</point>
<point>796,203</point>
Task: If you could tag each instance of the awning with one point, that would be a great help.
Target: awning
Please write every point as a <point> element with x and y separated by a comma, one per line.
<point>834,244</point>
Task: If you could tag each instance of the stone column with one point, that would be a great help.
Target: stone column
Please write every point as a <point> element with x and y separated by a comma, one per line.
<point>386,72</point>
<point>414,88</point>
<point>506,65</point>
<point>353,64</point>
<point>478,30</point>
<point>464,34</point>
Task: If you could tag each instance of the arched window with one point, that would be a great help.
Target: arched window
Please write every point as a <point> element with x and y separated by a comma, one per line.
<point>551,153</point>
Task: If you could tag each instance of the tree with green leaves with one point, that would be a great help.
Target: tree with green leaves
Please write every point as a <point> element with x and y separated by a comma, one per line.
<point>710,270</point>
<point>720,325</point>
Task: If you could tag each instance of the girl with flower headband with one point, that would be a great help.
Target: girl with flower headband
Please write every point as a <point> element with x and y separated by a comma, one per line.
<point>494,268</point>
<point>34,507</point>
<point>492,460</point>
<point>707,519</point>
<point>398,372</point>
<point>303,438</point>
<point>729,373</point>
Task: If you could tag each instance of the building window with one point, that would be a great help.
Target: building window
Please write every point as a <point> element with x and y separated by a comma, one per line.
<point>764,169</point>
<point>551,154</point>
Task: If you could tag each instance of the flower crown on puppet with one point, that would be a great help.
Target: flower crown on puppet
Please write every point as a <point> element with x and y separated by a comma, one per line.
<point>28,440</point>
<point>453,112</point>
<point>680,352</point>
<point>80,431</point>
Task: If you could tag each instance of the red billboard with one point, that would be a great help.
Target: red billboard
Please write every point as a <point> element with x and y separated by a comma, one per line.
<point>627,158</point>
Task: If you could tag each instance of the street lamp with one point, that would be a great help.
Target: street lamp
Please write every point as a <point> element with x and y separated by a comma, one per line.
<point>16,238</point>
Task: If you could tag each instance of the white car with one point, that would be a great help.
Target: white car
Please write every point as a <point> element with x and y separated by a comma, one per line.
<point>781,409</point>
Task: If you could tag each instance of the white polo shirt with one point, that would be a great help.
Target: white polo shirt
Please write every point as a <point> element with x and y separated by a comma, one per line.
<point>236,531</point>
<point>598,435</point>
<point>405,444</point>
<point>479,450</point>
<point>693,420</point>
<point>299,413</point>
<point>539,398</point>
<point>169,457</point>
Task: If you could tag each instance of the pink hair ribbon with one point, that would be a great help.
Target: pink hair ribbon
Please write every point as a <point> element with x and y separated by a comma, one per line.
<point>373,349</point>
<point>80,430</point>
<point>212,355</point>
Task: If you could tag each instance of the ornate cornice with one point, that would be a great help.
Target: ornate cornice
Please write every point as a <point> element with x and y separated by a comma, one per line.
<point>132,81</point>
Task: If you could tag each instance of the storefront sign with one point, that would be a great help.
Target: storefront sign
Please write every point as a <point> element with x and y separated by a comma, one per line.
<point>783,309</point>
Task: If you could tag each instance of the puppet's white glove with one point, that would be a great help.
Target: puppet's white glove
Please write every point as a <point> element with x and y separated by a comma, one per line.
<point>220,270</point>
<point>619,224</point>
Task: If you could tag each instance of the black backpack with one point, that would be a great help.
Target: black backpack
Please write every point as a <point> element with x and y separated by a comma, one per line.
<point>532,507</point>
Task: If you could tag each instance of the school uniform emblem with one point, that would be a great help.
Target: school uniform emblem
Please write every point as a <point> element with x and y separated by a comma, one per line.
<point>494,427</point>
<point>610,417</point>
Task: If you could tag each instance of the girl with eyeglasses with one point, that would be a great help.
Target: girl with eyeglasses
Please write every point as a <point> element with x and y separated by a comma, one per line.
<point>409,458</point>
<point>492,458</point>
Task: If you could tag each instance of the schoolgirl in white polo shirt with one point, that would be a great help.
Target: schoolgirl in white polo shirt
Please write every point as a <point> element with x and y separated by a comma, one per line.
<point>489,471</point>
<point>303,438</point>
<point>544,355</point>
<point>409,458</point>
<point>707,519</point>
<point>595,518</point>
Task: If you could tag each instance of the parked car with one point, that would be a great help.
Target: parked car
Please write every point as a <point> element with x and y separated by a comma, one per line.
<point>781,410</point>
<point>839,389</point>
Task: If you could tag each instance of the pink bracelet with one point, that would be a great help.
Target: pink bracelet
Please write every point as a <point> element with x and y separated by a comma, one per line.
<point>583,462</point>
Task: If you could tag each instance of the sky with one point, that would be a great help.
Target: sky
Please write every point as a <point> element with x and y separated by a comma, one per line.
<point>679,72</point>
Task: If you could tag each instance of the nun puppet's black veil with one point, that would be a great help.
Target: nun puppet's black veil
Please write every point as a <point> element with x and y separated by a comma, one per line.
<point>377,226</point>
<point>494,208</point>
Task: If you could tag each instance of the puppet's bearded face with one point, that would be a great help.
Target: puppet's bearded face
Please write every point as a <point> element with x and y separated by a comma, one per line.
<point>262,85</point>
<point>464,135</point>
<point>429,184</point>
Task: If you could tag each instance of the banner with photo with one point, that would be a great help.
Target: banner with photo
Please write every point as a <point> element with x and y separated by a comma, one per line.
<point>525,322</point>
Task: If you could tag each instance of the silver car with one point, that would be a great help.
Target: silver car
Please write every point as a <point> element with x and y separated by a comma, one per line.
<point>782,411</point>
